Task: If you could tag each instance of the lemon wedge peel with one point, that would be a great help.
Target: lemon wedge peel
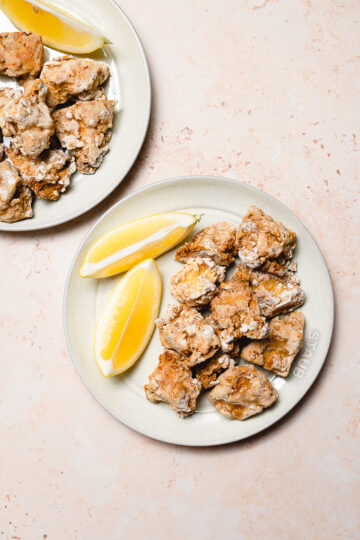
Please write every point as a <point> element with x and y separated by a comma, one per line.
<point>179,225</point>
<point>106,330</point>
<point>58,29</point>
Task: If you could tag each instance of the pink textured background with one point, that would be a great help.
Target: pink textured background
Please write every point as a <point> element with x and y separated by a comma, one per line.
<point>259,90</point>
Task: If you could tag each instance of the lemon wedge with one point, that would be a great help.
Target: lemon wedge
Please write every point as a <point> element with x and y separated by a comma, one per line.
<point>127,245</point>
<point>127,321</point>
<point>57,28</point>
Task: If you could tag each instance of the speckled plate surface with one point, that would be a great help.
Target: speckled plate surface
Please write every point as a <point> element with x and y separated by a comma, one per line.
<point>129,85</point>
<point>123,396</point>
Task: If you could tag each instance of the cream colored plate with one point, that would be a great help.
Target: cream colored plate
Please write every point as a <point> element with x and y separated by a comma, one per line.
<point>129,85</point>
<point>123,396</point>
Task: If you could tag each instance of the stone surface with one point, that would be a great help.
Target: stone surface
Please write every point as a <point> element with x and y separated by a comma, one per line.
<point>259,90</point>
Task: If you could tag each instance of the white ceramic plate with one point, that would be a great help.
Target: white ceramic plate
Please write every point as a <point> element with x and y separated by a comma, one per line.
<point>129,85</point>
<point>123,396</point>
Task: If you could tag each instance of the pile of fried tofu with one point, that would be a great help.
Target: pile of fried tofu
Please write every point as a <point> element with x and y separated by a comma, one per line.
<point>219,324</point>
<point>57,120</point>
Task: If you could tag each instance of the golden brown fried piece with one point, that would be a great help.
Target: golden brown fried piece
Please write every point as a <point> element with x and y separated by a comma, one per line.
<point>197,282</point>
<point>241,392</point>
<point>209,371</point>
<point>261,238</point>
<point>184,330</point>
<point>48,175</point>
<point>215,242</point>
<point>21,54</point>
<point>67,77</point>
<point>84,129</point>
<point>278,350</point>
<point>276,294</point>
<point>15,196</point>
<point>173,383</point>
<point>235,310</point>
<point>28,121</point>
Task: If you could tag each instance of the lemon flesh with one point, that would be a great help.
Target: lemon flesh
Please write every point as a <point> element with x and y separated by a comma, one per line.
<point>57,28</point>
<point>127,321</point>
<point>127,245</point>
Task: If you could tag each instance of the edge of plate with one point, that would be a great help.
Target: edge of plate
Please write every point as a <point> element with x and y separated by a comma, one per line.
<point>67,338</point>
<point>103,196</point>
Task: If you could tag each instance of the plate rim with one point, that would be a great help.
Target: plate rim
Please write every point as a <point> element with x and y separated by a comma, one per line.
<point>225,440</point>
<point>103,196</point>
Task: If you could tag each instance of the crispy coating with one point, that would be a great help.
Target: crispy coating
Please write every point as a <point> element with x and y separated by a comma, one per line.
<point>173,383</point>
<point>184,330</point>
<point>84,129</point>
<point>197,282</point>
<point>7,94</point>
<point>260,238</point>
<point>241,392</point>
<point>67,77</point>
<point>277,352</point>
<point>48,175</point>
<point>28,121</point>
<point>235,311</point>
<point>15,196</point>
<point>21,54</point>
<point>276,294</point>
<point>209,371</point>
<point>279,266</point>
<point>216,242</point>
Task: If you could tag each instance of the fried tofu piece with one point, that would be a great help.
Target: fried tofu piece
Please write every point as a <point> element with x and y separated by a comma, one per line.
<point>15,196</point>
<point>260,238</point>
<point>235,310</point>
<point>84,129</point>
<point>67,77</point>
<point>197,282</point>
<point>277,352</point>
<point>173,383</point>
<point>208,372</point>
<point>48,175</point>
<point>27,120</point>
<point>21,54</point>
<point>216,242</point>
<point>241,392</point>
<point>184,330</point>
<point>276,294</point>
